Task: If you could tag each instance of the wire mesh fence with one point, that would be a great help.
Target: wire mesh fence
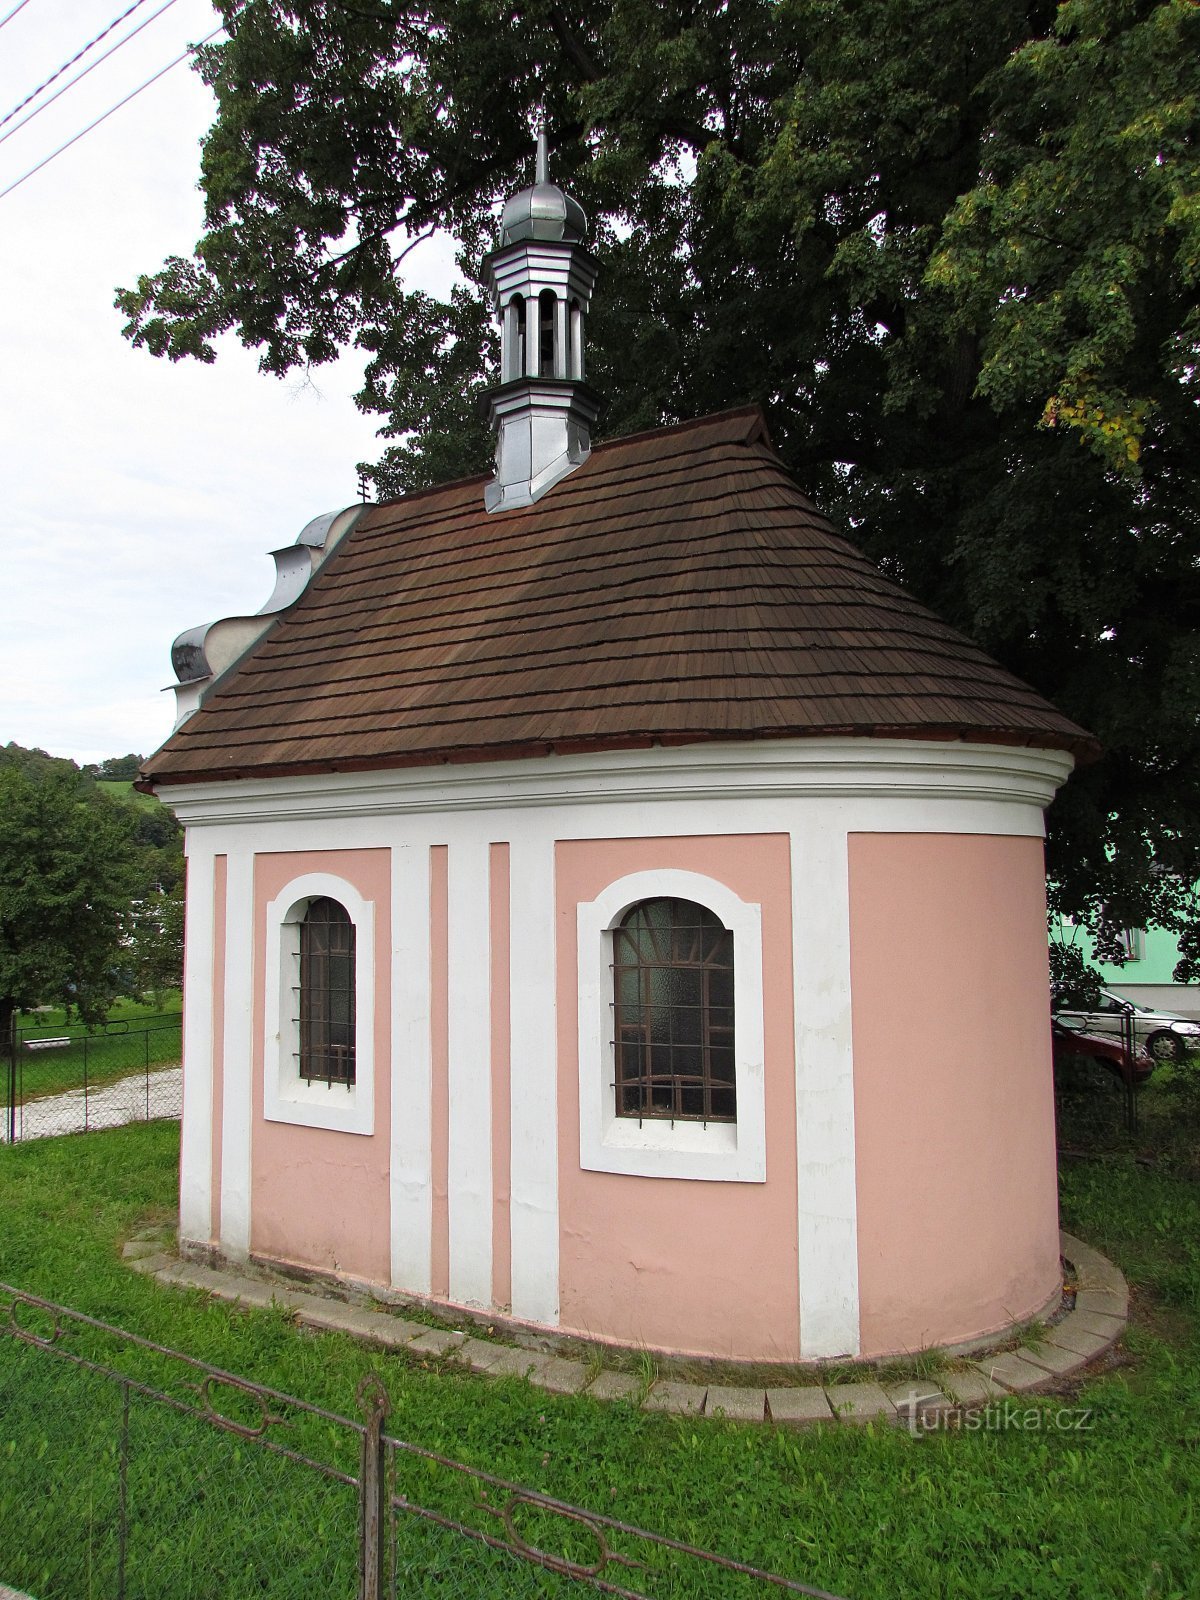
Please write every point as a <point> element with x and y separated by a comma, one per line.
<point>73,1080</point>
<point>129,1471</point>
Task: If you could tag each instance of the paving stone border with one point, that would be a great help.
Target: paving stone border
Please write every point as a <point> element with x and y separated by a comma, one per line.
<point>1086,1333</point>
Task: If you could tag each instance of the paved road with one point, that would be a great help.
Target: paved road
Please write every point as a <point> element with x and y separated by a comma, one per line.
<point>139,1098</point>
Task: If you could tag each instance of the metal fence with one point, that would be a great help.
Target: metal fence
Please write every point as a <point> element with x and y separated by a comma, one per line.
<point>1110,1064</point>
<point>131,1470</point>
<point>71,1080</point>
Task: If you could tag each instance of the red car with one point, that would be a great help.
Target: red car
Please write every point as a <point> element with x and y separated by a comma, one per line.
<point>1073,1048</point>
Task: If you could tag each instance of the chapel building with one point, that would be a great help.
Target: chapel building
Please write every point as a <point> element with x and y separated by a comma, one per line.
<point>612,904</point>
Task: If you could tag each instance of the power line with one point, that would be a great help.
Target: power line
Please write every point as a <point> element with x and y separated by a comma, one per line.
<point>67,65</point>
<point>79,76</point>
<point>13,12</point>
<point>45,162</point>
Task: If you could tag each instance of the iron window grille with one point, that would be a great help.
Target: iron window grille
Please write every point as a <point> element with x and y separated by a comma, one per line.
<point>327,1002</point>
<point>673,1032</point>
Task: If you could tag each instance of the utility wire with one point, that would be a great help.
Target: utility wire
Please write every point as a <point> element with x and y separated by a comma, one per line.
<point>67,65</point>
<point>79,76</point>
<point>190,51</point>
<point>13,12</point>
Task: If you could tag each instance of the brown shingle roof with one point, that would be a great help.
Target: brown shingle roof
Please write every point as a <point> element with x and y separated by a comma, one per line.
<point>677,587</point>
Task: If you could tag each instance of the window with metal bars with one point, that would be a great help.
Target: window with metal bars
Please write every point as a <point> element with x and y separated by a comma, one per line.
<point>326,1023</point>
<point>673,987</point>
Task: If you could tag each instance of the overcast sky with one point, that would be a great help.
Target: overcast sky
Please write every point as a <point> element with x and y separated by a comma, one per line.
<point>139,497</point>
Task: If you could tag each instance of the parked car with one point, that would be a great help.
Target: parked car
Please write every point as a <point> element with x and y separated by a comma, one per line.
<point>1161,1034</point>
<point>1076,1052</point>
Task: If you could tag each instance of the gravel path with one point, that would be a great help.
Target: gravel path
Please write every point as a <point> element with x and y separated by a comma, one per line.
<point>139,1098</point>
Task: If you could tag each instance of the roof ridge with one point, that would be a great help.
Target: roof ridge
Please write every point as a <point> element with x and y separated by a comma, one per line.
<point>679,587</point>
<point>753,414</point>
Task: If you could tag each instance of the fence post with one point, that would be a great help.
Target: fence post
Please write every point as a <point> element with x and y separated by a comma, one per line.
<point>12,1078</point>
<point>146,1067</point>
<point>123,1492</point>
<point>85,1083</point>
<point>372,1398</point>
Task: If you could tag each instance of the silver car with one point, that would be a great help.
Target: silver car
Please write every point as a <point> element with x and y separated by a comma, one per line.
<point>1161,1034</point>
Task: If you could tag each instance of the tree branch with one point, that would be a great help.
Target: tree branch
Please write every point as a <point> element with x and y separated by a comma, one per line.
<point>573,49</point>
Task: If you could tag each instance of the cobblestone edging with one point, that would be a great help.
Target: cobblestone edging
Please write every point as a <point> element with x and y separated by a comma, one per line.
<point>1084,1334</point>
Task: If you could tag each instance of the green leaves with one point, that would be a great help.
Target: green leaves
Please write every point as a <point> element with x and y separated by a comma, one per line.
<point>67,875</point>
<point>952,248</point>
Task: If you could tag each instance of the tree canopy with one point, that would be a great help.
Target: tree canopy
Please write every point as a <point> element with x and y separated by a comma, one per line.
<point>66,880</point>
<point>952,247</point>
<point>91,890</point>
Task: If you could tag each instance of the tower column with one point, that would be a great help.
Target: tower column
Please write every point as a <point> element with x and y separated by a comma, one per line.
<point>533,338</point>
<point>541,280</point>
<point>576,340</point>
<point>561,342</point>
<point>510,341</point>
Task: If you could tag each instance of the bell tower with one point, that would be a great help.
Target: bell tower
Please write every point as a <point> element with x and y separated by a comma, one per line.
<point>540,279</point>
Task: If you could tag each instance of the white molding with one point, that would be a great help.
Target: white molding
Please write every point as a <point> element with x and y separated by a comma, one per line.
<point>196,1137</point>
<point>533,1080</point>
<point>469,1156</point>
<point>889,768</point>
<point>657,1147</point>
<point>411,1172</point>
<point>237,1100</point>
<point>827,1198</point>
<point>286,1096</point>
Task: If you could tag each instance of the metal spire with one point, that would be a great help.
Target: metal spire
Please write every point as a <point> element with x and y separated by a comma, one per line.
<point>542,170</point>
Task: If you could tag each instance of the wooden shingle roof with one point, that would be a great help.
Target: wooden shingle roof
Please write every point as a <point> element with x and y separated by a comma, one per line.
<point>676,587</point>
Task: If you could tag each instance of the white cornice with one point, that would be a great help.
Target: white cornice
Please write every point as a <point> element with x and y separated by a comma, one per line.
<point>783,769</point>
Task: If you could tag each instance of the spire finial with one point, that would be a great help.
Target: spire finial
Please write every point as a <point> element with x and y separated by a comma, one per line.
<point>542,169</point>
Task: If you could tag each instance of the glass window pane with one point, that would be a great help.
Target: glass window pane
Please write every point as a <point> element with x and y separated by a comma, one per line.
<point>673,994</point>
<point>327,998</point>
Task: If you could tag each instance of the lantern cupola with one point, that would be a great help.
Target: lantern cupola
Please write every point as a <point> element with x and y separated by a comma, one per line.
<point>540,279</point>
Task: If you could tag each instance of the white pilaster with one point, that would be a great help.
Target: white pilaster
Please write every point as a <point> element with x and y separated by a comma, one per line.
<point>534,1208</point>
<point>237,1103</point>
<point>825,1158</point>
<point>411,1179</point>
<point>469,1168</point>
<point>195,1154</point>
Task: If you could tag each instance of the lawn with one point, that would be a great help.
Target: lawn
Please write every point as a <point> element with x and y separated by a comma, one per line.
<point>138,1034</point>
<point>866,1513</point>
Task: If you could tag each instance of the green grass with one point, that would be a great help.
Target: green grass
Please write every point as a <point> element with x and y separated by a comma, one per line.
<point>137,1034</point>
<point>122,789</point>
<point>53,1019</point>
<point>102,1057</point>
<point>865,1513</point>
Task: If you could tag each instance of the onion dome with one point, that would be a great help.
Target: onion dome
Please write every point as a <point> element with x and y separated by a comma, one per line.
<point>542,211</point>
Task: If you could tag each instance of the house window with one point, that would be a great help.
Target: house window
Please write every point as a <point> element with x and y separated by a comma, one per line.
<point>672,1071</point>
<point>327,998</point>
<point>674,1032</point>
<point>319,982</point>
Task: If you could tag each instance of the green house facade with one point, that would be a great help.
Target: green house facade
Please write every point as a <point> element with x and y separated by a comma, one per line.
<point>1147,975</point>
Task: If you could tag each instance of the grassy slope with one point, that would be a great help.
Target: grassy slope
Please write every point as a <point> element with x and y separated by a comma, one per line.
<point>865,1513</point>
<point>151,1038</point>
<point>122,789</point>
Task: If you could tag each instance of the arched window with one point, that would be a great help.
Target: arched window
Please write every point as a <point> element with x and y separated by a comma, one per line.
<point>327,998</point>
<point>515,344</point>
<point>546,333</point>
<point>674,1040</point>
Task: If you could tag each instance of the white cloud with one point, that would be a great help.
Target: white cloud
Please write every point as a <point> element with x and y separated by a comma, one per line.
<point>139,497</point>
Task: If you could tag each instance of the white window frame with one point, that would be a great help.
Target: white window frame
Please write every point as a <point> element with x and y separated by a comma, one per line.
<point>657,1147</point>
<point>287,1097</point>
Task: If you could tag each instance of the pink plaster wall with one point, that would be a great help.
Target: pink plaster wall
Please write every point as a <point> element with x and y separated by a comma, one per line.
<point>320,1198</point>
<point>953,1089</point>
<point>220,876</point>
<point>439,1114</point>
<point>674,1264</point>
<point>501,1080</point>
